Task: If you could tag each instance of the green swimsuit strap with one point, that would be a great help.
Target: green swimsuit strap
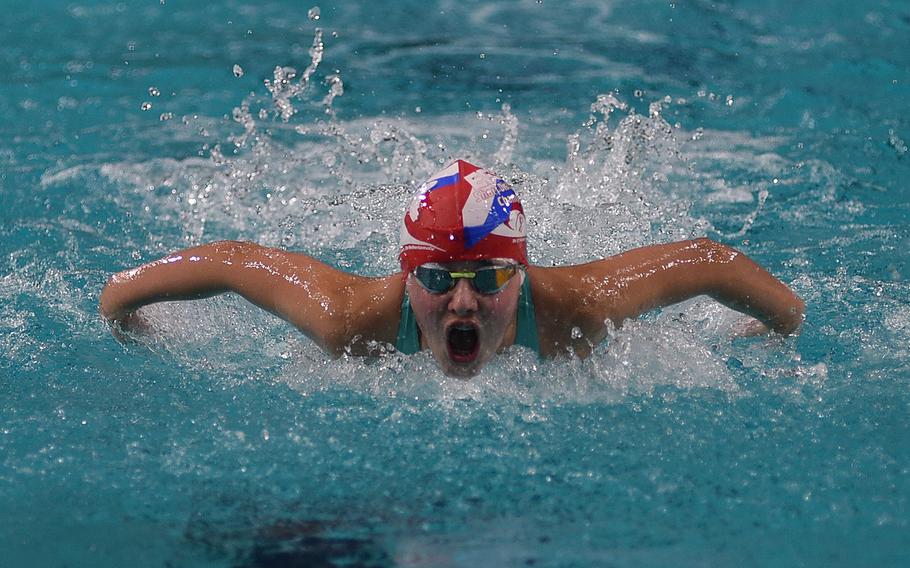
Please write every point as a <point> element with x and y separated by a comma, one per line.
<point>408,340</point>
<point>526,320</point>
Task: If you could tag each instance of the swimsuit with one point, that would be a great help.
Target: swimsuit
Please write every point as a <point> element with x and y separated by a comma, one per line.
<point>408,341</point>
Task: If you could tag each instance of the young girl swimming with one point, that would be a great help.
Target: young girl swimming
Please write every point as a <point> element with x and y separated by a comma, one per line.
<point>466,290</point>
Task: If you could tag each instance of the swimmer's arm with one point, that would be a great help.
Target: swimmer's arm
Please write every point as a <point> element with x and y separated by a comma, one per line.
<point>631,283</point>
<point>316,298</point>
<point>626,285</point>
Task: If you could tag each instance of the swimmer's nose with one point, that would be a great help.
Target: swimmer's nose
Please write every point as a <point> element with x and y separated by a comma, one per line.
<point>464,298</point>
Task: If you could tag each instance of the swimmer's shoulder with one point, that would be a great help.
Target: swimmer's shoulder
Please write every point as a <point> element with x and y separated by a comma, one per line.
<point>559,288</point>
<point>554,292</point>
<point>566,303</point>
<point>375,308</point>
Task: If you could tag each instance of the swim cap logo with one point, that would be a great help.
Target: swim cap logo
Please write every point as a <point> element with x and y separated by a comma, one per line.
<point>463,213</point>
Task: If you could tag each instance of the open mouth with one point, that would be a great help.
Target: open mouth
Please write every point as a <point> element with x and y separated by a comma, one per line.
<point>463,343</point>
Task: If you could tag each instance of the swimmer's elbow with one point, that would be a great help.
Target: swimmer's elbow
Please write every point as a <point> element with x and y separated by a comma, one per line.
<point>715,252</point>
<point>234,249</point>
<point>705,242</point>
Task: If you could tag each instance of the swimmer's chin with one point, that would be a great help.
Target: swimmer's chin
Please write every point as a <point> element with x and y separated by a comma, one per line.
<point>461,372</point>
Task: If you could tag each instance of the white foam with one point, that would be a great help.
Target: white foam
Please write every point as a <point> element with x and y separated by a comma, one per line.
<point>336,189</point>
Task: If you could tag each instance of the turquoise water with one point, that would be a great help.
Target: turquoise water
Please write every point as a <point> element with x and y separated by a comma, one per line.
<point>227,439</point>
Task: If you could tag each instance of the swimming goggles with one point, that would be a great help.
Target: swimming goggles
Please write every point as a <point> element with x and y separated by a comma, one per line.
<point>486,279</point>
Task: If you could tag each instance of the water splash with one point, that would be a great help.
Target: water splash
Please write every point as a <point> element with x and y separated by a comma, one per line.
<point>750,219</point>
<point>507,127</point>
<point>304,192</point>
<point>293,173</point>
<point>604,162</point>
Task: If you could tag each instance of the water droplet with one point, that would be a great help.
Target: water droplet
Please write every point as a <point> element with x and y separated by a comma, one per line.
<point>654,109</point>
<point>145,106</point>
<point>166,116</point>
<point>638,93</point>
<point>313,13</point>
<point>154,92</point>
<point>483,55</point>
<point>576,333</point>
<point>895,142</point>
<point>238,70</point>
<point>729,100</point>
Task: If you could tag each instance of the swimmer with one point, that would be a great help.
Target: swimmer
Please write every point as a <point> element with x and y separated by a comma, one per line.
<point>466,290</point>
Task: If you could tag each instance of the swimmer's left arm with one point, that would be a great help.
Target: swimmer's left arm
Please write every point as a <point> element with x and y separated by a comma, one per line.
<point>656,276</point>
<point>629,284</point>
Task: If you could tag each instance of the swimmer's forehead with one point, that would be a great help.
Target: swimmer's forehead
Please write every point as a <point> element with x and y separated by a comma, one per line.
<point>470,264</point>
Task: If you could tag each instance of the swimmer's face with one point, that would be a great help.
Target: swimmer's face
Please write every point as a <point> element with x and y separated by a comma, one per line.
<point>463,327</point>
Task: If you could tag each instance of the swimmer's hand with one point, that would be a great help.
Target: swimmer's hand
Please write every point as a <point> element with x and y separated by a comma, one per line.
<point>748,327</point>
<point>751,327</point>
<point>128,328</point>
<point>124,320</point>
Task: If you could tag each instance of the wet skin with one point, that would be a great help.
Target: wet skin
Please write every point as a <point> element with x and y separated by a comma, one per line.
<point>347,313</point>
<point>464,311</point>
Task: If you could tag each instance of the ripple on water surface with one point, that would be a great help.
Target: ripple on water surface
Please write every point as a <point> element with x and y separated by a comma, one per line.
<point>232,440</point>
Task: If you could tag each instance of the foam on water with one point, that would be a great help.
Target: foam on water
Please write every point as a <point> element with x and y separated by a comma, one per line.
<point>226,431</point>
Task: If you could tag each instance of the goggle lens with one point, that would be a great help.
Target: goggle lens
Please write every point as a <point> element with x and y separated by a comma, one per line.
<point>486,280</point>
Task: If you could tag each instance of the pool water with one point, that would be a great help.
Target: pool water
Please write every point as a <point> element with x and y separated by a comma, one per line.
<point>132,129</point>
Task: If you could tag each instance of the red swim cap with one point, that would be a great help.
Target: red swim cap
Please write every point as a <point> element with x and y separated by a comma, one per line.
<point>463,213</point>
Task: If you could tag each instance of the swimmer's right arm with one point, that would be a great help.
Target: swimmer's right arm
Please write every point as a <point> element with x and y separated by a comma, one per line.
<point>324,303</point>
